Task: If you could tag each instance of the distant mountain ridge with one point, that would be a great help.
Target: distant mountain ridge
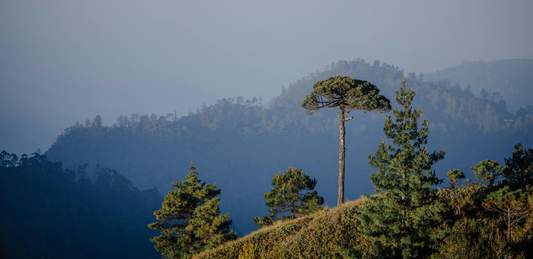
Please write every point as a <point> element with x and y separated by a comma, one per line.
<point>240,145</point>
<point>511,78</point>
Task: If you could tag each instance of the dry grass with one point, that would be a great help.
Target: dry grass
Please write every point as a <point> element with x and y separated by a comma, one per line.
<point>317,235</point>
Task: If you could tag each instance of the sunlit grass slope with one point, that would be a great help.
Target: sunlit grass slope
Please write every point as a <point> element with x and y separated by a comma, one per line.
<point>325,234</point>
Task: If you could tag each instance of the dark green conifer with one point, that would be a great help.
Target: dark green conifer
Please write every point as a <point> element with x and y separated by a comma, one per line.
<point>400,221</point>
<point>486,170</point>
<point>519,169</point>
<point>190,219</point>
<point>287,196</point>
<point>513,197</point>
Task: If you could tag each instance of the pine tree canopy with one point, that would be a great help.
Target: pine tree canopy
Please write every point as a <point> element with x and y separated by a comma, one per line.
<point>347,93</point>
<point>293,193</point>
<point>400,221</point>
<point>519,169</point>
<point>487,170</point>
<point>454,176</point>
<point>190,219</point>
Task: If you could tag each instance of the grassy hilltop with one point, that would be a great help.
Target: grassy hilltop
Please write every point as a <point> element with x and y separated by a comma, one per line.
<point>322,234</point>
<point>474,231</point>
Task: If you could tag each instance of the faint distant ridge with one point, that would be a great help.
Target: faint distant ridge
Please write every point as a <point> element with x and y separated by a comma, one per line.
<point>241,140</point>
<point>511,78</point>
<point>454,107</point>
<point>385,76</point>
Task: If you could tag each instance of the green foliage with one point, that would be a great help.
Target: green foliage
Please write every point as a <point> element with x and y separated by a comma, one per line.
<point>489,219</point>
<point>246,142</point>
<point>512,204</point>
<point>346,93</point>
<point>190,219</point>
<point>485,222</point>
<point>454,176</point>
<point>401,220</point>
<point>487,170</point>
<point>471,238</point>
<point>474,229</point>
<point>510,198</point>
<point>265,220</point>
<point>293,193</point>
<point>519,169</point>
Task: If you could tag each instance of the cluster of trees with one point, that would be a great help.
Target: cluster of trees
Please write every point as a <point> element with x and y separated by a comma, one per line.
<point>233,141</point>
<point>492,215</point>
<point>52,212</point>
<point>409,217</point>
<point>190,221</point>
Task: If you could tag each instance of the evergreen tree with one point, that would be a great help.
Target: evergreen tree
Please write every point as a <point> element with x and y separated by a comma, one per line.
<point>510,198</point>
<point>519,169</point>
<point>486,170</point>
<point>400,221</point>
<point>287,196</point>
<point>454,176</point>
<point>347,94</point>
<point>190,219</point>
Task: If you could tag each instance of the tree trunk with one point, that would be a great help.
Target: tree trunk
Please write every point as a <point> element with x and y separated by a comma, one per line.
<point>508,225</point>
<point>292,211</point>
<point>342,133</point>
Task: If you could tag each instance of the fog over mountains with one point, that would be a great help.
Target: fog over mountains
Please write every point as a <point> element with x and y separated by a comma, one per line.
<point>111,101</point>
<point>62,62</point>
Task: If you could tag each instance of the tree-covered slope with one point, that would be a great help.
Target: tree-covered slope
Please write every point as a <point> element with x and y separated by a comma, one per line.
<point>472,231</point>
<point>52,212</point>
<point>240,145</point>
<point>488,216</point>
<point>510,79</point>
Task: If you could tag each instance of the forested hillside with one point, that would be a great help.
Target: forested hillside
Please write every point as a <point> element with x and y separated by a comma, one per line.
<point>240,144</point>
<point>52,212</point>
<point>509,79</point>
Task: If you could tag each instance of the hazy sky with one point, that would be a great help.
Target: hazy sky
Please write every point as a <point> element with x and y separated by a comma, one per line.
<point>66,61</point>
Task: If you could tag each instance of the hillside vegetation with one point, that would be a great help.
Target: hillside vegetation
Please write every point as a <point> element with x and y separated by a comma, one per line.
<point>508,79</point>
<point>49,211</point>
<point>473,231</point>
<point>489,217</point>
<point>57,206</point>
<point>240,144</point>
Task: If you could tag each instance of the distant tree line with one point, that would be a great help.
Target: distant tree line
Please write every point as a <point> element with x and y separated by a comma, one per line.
<point>408,218</point>
<point>231,139</point>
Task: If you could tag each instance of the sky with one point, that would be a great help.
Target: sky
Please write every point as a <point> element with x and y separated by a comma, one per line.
<point>63,61</point>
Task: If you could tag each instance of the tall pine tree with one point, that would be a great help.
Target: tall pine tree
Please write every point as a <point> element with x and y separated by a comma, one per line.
<point>400,221</point>
<point>190,219</point>
<point>347,94</point>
